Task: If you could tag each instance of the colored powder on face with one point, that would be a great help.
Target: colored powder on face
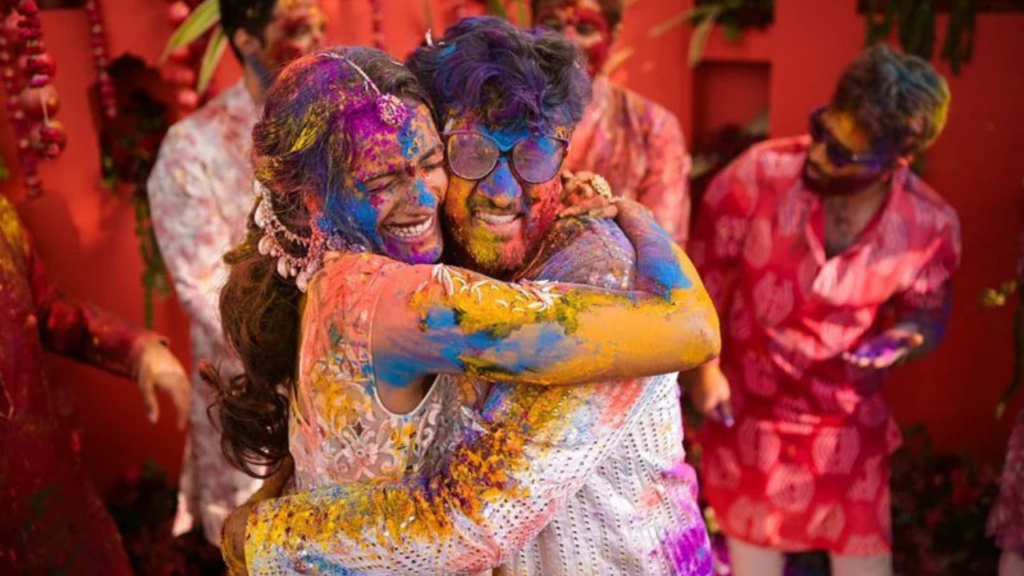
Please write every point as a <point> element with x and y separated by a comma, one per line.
<point>424,197</point>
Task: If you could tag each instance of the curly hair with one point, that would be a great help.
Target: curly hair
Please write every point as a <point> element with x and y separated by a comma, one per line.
<point>899,100</point>
<point>534,77</point>
<point>301,150</point>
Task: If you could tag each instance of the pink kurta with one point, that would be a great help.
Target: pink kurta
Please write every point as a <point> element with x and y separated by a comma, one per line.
<point>638,147</point>
<point>806,464</point>
<point>51,520</point>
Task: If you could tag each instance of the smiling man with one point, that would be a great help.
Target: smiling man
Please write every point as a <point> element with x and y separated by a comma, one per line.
<point>830,261</point>
<point>200,192</point>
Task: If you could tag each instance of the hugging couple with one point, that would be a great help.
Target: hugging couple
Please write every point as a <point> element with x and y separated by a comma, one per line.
<point>452,365</point>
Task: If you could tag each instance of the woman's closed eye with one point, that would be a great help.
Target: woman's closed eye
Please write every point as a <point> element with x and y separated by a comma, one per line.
<point>378,185</point>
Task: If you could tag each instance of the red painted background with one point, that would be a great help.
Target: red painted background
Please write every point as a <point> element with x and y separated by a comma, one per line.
<point>85,233</point>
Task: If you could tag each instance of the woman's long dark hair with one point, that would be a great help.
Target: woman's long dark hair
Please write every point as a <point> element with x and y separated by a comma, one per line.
<point>300,153</point>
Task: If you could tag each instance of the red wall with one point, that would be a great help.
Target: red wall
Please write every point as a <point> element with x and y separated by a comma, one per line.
<point>86,234</point>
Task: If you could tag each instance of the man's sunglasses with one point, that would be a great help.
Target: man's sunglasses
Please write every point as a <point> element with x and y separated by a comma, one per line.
<point>534,159</point>
<point>840,156</point>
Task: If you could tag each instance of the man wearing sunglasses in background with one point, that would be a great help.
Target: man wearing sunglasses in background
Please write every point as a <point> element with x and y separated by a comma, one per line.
<point>829,261</point>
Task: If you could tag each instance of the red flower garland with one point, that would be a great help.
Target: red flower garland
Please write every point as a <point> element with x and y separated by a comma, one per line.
<point>101,58</point>
<point>377,15</point>
<point>32,102</point>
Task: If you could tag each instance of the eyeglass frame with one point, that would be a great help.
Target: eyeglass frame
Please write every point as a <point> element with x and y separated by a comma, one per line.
<point>833,148</point>
<point>505,153</point>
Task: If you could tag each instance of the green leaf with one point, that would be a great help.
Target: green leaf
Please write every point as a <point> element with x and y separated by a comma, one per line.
<point>521,13</point>
<point>694,16</point>
<point>199,22</point>
<point>700,36</point>
<point>497,8</point>
<point>732,32</point>
<point>214,51</point>
<point>759,125</point>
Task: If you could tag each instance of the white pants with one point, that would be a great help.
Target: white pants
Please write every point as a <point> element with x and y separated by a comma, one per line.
<point>1011,564</point>
<point>750,560</point>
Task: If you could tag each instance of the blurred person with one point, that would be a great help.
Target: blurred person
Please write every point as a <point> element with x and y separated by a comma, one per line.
<point>632,141</point>
<point>200,193</point>
<point>830,262</point>
<point>51,519</point>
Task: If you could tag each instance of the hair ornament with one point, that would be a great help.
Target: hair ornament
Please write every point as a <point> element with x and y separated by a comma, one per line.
<point>390,109</point>
<point>321,240</point>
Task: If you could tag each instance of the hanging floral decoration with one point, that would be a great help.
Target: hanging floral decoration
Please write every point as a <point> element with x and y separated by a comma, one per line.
<point>129,144</point>
<point>145,103</point>
<point>101,59</point>
<point>377,16</point>
<point>916,24</point>
<point>32,101</point>
<point>734,16</point>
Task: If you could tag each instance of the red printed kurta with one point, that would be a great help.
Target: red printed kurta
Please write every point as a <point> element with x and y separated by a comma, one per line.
<point>638,147</point>
<point>51,520</point>
<point>806,464</point>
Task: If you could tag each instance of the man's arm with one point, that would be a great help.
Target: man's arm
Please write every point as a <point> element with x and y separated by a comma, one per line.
<point>88,334</point>
<point>190,233</point>
<point>665,188</point>
<point>921,312</point>
<point>79,330</point>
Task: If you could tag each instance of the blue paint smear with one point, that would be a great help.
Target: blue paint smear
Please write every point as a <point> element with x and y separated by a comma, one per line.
<point>663,269</point>
<point>320,563</point>
<point>424,196</point>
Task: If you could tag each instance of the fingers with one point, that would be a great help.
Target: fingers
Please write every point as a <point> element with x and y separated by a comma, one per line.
<point>597,207</point>
<point>181,391</point>
<point>876,359</point>
<point>579,184</point>
<point>724,413</point>
<point>149,402</point>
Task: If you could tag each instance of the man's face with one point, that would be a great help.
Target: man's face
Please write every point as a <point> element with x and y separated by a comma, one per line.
<point>583,22</point>
<point>840,160</point>
<point>296,29</point>
<point>498,222</point>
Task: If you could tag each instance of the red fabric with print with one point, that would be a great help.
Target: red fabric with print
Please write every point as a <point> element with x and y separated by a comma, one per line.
<point>51,519</point>
<point>806,464</point>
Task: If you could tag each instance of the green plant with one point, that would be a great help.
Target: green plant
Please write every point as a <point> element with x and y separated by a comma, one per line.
<point>916,22</point>
<point>202,20</point>
<point>734,16</point>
